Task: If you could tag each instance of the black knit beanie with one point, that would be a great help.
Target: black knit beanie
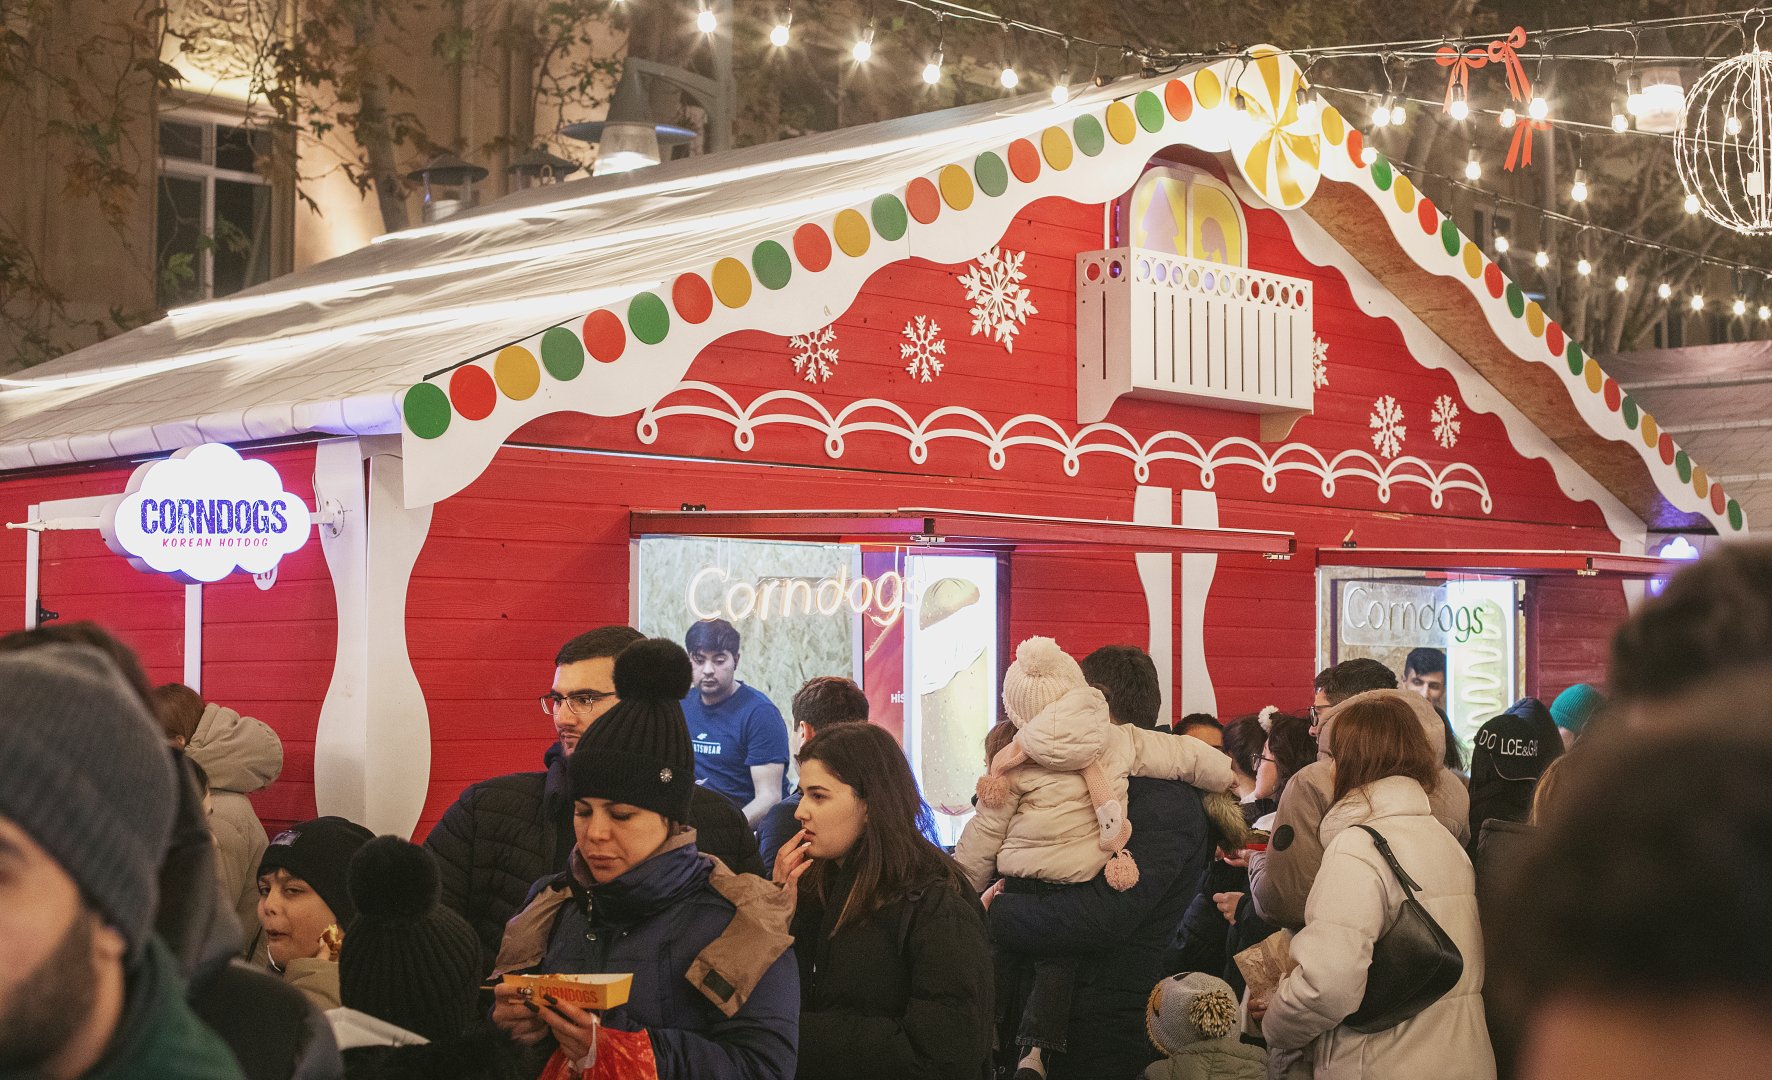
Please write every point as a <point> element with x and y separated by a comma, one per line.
<point>638,752</point>
<point>319,852</point>
<point>407,959</point>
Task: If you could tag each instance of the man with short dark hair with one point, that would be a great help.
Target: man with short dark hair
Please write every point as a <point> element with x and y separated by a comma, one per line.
<point>1424,673</point>
<point>88,800</point>
<point>1118,938</point>
<point>821,703</point>
<point>1202,726</point>
<point>1280,878</point>
<point>504,834</point>
<point>740,739</point>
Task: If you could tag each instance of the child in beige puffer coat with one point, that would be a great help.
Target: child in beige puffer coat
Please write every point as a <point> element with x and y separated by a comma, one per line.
<point>1052,809</point>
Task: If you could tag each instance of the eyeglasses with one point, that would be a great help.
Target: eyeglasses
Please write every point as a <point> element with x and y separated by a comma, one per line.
<point>581,703</point>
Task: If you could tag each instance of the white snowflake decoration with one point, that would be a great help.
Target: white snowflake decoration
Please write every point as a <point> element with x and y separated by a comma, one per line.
<point>1319,363</point>
<point>1446,423</point>
<point>924,349</point>
<point>1387,427</point>
<point>815,354</point>
<point>1000,303</point>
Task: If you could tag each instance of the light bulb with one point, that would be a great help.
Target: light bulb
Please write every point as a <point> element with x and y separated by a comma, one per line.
<point>1509,117</point>
<point>1008,78</point>
<point>1664,290</point>
<point>1583,267</point>
<point>1697,302</point>
<point>1368,155</point>
<point>1765,313</point>
<point>1621,283</point>
<point>863,48</point>
<point>1501,245</point>
<point>1061,90</point>
<point>1691,204</point>
<point>1739,307</point>
<point>778,35</point>
<point>1381,117</point>
<point>1542,259</point>
<point>1732,125</point>
<point>1620,122</point>
<point>1459,109</point>
<point>1539,108</point>
<point>705,21</point>
<point>932,70</point>
<point>1398,115</point>
<point>1473,169</point>
<point>1578,190</point>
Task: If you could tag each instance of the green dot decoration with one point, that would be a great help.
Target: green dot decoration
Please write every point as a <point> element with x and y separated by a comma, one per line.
<point>890,220</point>
<point>1090,138</point>
<point>562,354</point>
<point>648,318</point>
<point>771,263</point>
<point>992,176</point>
<point>1151,113</point>
<point>427,410</point>
<point>1381,173</point>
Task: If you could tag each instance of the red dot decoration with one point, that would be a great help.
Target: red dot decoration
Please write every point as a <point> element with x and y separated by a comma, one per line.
<point>1666,446</point>
<point>1428,215</point>
<point>922,200</point>
<point>1179,102</point>
<point>1356,149</point>
<point>1553,339</point>
<point>1024,161</point>
<point>1613,397</point>
<point>1717,501</point>
<point>1494,281</point>
<point>693,299</point>
<point>605,337</point>
<point>472,392</point>
<point>812,247</point>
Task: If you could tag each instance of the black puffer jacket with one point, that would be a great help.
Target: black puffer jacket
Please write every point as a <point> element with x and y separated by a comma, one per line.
<point>504,834</point>
<point>901,994</point>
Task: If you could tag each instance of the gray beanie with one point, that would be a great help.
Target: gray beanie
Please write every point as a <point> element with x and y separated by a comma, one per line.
<point>1189,1008</point>
<point>85,772</point>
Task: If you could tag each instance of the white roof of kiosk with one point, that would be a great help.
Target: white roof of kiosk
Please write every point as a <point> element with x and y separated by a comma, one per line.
<point>454,335</point>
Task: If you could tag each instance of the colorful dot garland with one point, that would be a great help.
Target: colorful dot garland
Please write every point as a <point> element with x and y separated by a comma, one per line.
<point>473,391</point>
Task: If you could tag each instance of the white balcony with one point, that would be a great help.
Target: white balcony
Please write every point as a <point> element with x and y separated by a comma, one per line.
<point>1158,326</point>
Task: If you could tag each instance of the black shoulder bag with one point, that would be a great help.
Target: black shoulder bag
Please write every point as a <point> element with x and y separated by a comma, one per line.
<point>1413,965</point>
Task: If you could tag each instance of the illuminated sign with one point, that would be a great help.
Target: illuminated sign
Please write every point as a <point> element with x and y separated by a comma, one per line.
<point>204,513</point>
<point>1405,615</point>
<point>714,595</point>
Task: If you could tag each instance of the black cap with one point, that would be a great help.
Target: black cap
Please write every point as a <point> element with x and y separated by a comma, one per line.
<point>638,752</point>
<point>319,852</point>
<point>1517,745</point>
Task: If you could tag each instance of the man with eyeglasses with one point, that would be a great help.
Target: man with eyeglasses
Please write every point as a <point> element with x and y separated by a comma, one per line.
<point>504,834</point>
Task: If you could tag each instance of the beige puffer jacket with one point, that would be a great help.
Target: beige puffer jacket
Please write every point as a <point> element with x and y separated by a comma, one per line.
<point>1354,901</point>
<point>1047,828</point>
<point>241,755</point>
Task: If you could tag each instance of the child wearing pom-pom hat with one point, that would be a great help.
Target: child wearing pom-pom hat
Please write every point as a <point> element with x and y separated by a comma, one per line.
<point>1192,1018</point>
<point>1052,808</point>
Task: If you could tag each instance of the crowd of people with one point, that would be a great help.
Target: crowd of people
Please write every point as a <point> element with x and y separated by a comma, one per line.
<point>1327,893</point>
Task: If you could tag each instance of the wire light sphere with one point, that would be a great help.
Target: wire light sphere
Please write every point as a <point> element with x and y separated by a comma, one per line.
<point>1724,144</point>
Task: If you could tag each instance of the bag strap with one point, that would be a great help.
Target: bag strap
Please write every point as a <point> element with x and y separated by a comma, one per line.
<point>1384,848</point>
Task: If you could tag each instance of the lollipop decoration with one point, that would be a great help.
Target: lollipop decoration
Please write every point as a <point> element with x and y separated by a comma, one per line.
<point>1279,147</point>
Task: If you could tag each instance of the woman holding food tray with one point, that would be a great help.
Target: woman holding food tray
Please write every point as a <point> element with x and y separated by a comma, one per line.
<point>714,993</point>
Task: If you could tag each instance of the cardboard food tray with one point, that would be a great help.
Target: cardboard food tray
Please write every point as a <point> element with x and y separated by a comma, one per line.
<point>584,991</point>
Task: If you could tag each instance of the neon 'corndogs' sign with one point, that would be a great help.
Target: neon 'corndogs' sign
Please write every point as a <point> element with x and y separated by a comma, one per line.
<point>714,595</point>
<point>204,513</point>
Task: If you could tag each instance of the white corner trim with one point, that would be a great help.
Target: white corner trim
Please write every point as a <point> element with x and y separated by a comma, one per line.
<point>1156,572</point>
<point>1199,509</point>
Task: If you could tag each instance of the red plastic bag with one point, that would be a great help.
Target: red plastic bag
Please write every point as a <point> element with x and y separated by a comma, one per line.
<point>621,1055</point>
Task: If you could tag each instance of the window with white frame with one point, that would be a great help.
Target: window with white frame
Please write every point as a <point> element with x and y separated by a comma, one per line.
<point>212,227</point>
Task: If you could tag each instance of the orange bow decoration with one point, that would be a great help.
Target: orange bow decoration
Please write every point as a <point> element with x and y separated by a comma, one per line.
<point>1462,64</point>
<point>1506,52</point>
<point>1520,152</point>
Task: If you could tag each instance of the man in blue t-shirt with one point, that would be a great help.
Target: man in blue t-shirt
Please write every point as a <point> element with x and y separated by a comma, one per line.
<point>739,737</point>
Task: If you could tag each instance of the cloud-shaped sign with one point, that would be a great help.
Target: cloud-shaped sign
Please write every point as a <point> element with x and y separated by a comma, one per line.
<point>205,512</point>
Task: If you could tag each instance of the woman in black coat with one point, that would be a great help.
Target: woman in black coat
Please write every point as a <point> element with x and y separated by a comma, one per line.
<point>895,968</point>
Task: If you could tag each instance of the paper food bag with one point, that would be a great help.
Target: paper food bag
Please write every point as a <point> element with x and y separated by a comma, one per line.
<point>1263,966</point>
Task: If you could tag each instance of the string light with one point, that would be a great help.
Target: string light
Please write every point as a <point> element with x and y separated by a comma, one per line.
<point>1765,312</point>
<point>1583,267</point>
<point>1578,190</point>
<point>1697,301</point>
<point>1368,155</point>
<point>863,49</point>
<point>1739,307</point>
<point>705,20</point>
<point>1473,168</point>
<point>779,33</point>
<point>1538,109</point>
<point>1542,259</point>
<point>1508,117</point>
<point>1061,90</point>
<point>1620,119</point>
<point>1621,283</point>
<point>1009,78</point>
<point>1664,290</point>
<point>1691,204</point>
<point>932,70</point>
<point>1460,109</point>
<point>1501,244</point>
<point>1382,117</point>
<point>1732,125</point>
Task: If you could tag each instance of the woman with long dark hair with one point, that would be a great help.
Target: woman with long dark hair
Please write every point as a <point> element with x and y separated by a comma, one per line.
<point>895,968</point>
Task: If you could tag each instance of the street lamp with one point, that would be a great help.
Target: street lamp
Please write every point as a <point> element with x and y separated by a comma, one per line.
<point>628,138</point>
<point>448,183</point>
<point>538,168</point>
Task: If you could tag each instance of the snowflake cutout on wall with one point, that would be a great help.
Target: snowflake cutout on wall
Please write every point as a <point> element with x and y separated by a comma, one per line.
<point>924,349</point>
<point>1000,303</point>
<point>1319,362</point>
<point>1387,427</point>
<point>1446,423</point>
<point>815,354</point>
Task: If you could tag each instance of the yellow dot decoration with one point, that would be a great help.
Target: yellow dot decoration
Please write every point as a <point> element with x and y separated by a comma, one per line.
<point>1121,124</point>
<point>956,187</point>
<point>1700,482</point>
<point>1404,191</point>
<point>1055,146</point>
<point>1334,126</point>
<point>517,374</point>
<point>1535,319</point>
<point>852,233</point>
<point>732,282</point>
<point>1650,431</point>
<point>1208,90</point>
<point>1596,379</point>
<point>1473,260</point>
